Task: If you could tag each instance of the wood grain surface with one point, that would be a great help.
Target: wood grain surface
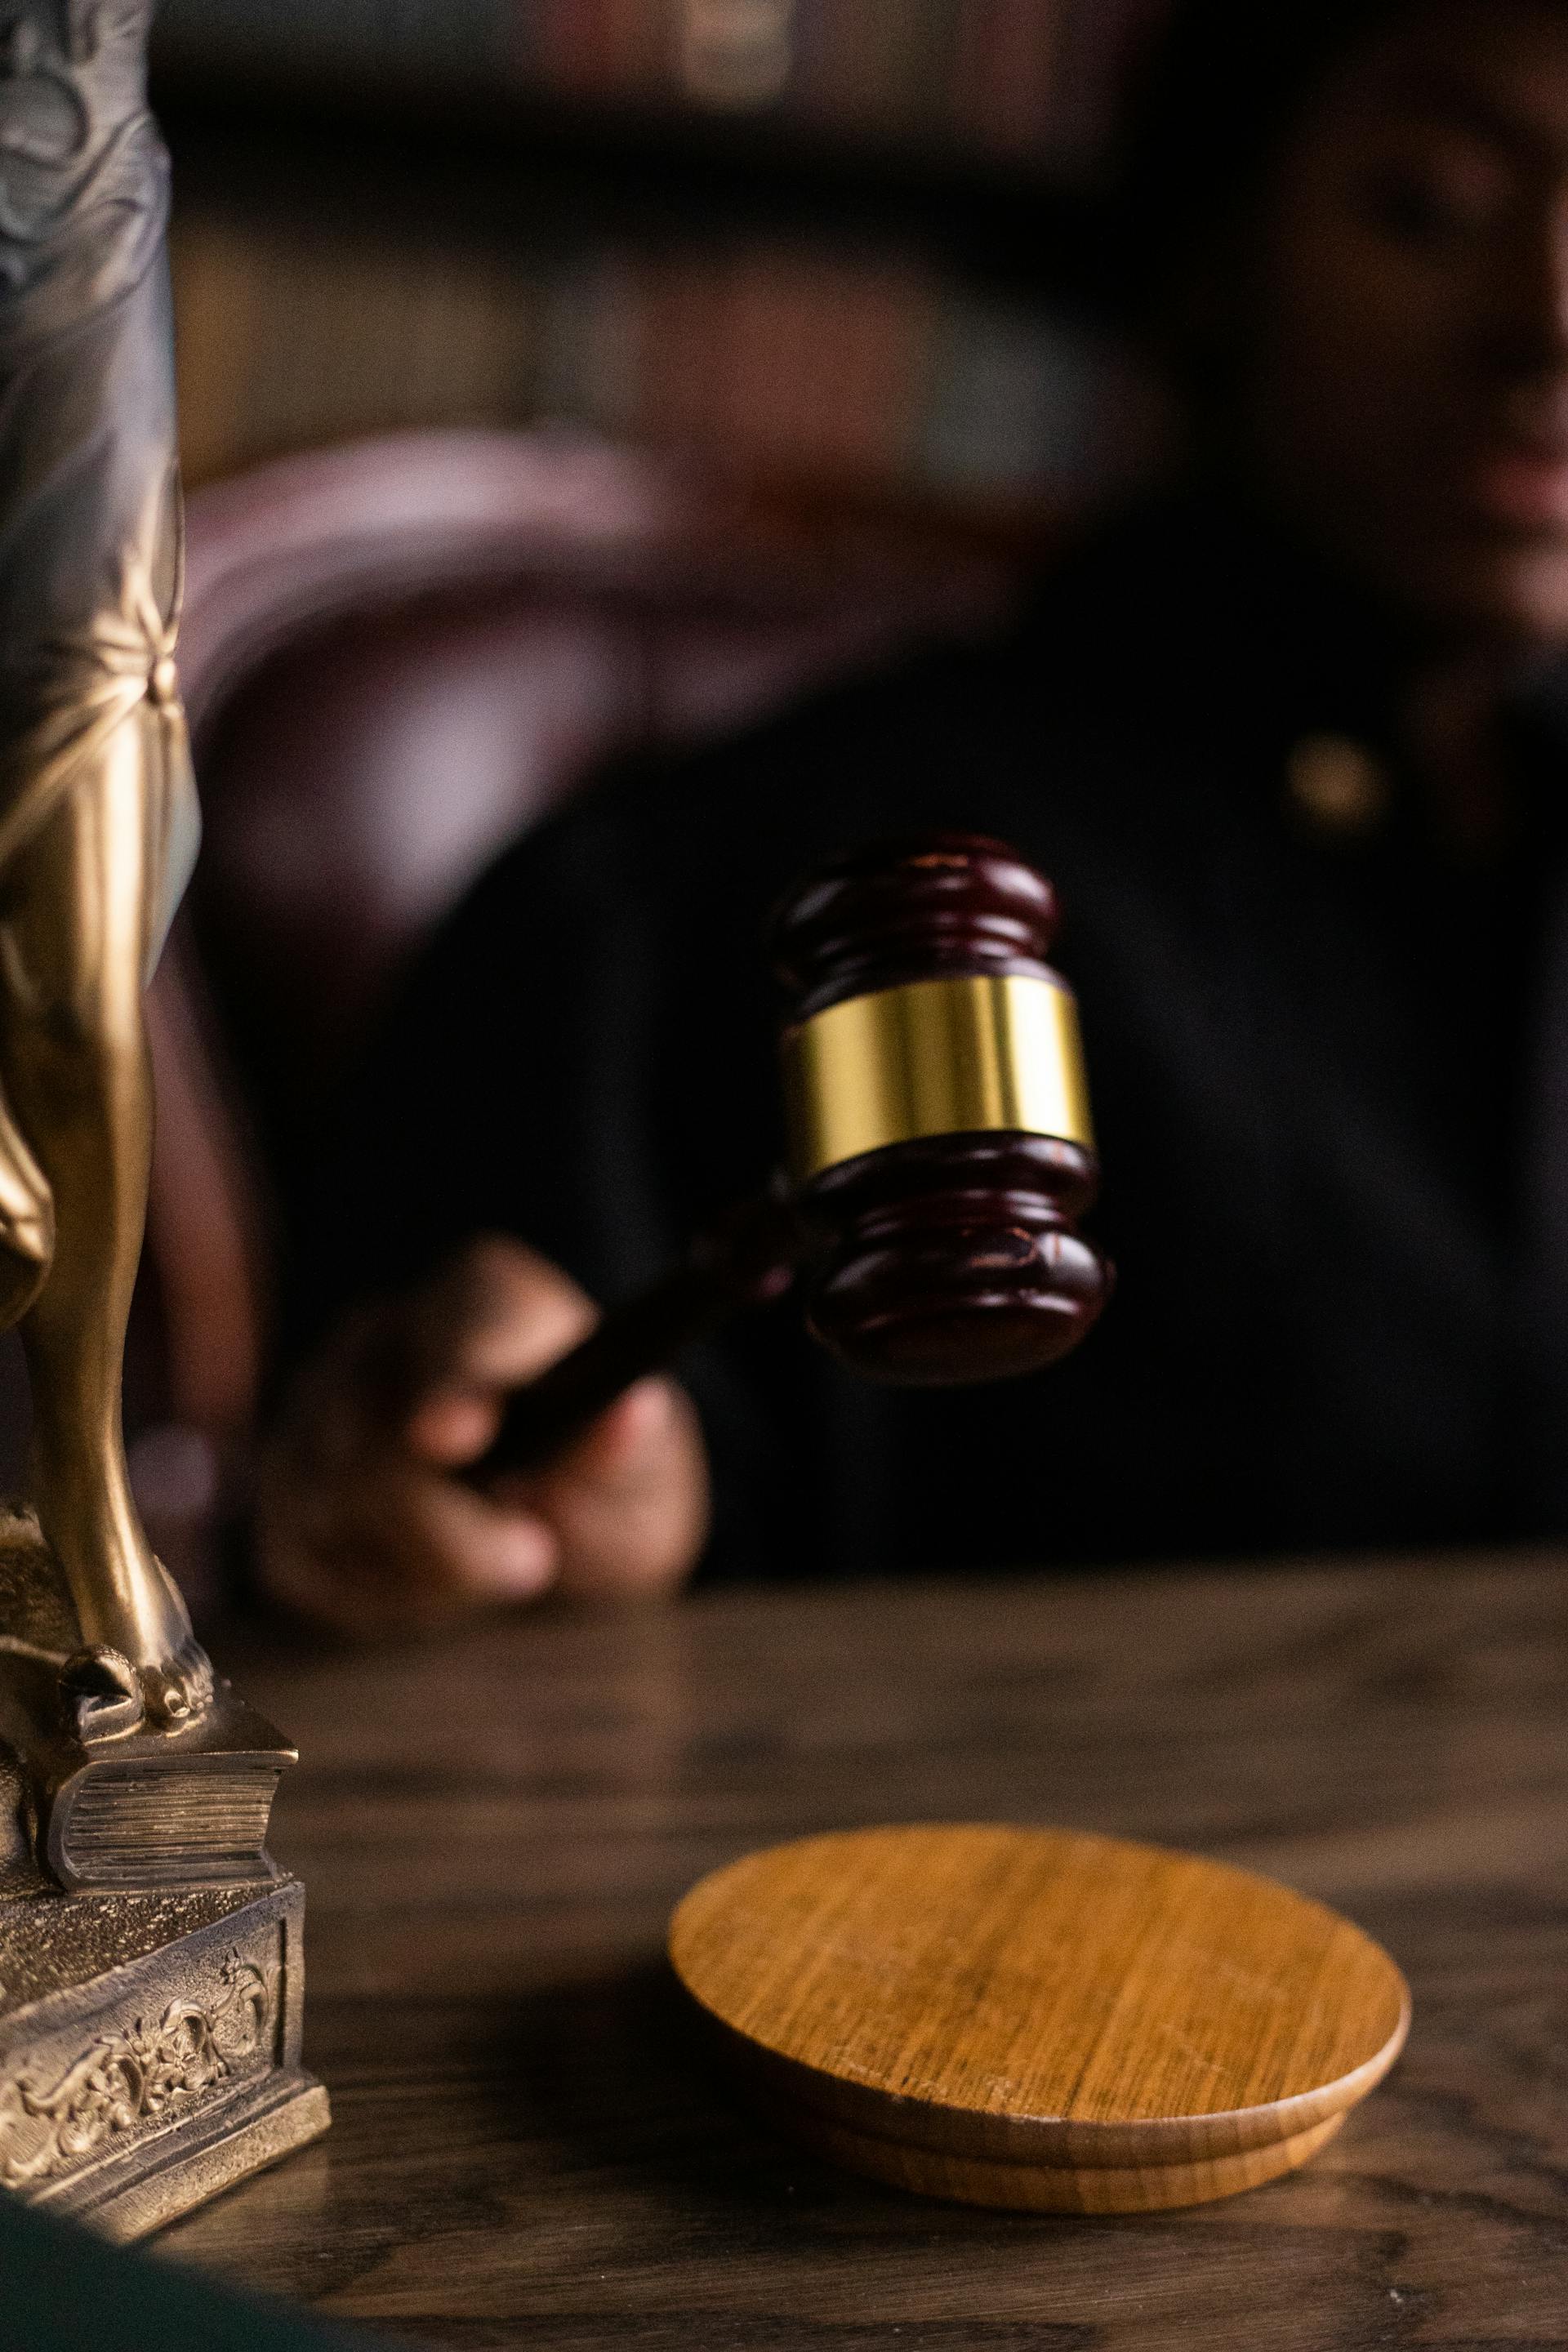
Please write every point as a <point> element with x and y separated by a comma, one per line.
<point>1038,2018</point>
<point>527,2150</point>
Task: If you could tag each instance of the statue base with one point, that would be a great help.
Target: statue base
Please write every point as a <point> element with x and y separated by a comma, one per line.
<point>152,1960</point>
<point>150,2046</point>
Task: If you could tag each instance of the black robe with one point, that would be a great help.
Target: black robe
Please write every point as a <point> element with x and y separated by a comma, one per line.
<point>1329,1067</point>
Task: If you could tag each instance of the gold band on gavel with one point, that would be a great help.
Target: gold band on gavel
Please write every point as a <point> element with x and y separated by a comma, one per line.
<point>934,1057</point>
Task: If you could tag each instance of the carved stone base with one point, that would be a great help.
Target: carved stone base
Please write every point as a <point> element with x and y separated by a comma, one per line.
<point>149,2047</point>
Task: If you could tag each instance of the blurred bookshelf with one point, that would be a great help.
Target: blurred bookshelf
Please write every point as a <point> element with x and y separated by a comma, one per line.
<point>846,248</point>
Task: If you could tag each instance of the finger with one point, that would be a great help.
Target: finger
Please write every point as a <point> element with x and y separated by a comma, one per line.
<point>628,1444</point>
<point>496,1316</point>
<point>450,1427</point>
<point>400,1547</point>
<point>432,1366</point>
<point>433,1533</point>
<point>629,1502</point>
<point>626,1449</point>
<point>360,1588</point>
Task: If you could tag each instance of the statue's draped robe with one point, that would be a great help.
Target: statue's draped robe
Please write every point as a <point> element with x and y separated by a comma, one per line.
<point>89,528</point>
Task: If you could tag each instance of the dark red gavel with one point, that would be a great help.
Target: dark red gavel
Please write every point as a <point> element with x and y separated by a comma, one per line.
<point>940,1148</point>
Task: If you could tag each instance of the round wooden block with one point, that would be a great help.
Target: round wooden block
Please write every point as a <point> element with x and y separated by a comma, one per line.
<point>1035,2018</point>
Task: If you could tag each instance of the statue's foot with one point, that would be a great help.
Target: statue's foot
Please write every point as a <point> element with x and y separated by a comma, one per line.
<point>178,1689</point>
<point>129,1609</point>
<point>104,1695</point>
<point>100,1693</point>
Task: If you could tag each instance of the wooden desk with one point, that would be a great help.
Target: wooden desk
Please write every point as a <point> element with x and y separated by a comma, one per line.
<point>527,2151</point>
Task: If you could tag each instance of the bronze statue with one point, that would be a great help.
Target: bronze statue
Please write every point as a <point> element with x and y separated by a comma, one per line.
<point>97,812</point>
<point>150,1977</point>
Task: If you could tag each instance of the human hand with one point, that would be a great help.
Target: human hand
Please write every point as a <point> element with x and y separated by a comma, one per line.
<point>361,1524</point>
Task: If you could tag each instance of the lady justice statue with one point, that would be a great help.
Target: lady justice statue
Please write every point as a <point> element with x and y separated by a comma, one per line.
<point>97,812</point>
<point>151,1969</point>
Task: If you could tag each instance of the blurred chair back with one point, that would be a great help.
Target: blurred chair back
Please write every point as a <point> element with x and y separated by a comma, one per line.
<point>396,657</point>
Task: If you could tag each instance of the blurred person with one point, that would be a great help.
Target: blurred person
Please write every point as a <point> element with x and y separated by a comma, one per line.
<point>1291,740</point>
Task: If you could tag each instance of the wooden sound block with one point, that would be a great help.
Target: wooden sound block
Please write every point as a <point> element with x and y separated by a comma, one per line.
<point>1033,2018</point>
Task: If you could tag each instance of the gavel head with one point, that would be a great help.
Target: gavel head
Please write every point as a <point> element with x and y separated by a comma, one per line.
<point>940,1137</point>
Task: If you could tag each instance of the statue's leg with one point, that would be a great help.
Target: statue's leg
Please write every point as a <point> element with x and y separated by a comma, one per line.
<point>74,925</point>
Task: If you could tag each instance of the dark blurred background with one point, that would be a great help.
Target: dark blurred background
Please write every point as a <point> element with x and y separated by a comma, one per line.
<point>844,244</point>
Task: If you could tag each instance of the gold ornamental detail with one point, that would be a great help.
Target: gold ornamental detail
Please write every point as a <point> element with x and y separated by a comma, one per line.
<point>135,2077</point>
<point>954,1056</point>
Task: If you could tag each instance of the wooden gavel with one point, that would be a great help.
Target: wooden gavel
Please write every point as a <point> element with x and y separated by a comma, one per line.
<point>939,1149</point>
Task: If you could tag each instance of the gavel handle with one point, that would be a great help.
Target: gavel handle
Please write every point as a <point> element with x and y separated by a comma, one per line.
<point>746,1260</point>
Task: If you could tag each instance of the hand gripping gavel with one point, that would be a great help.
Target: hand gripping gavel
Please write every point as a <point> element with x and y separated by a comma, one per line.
<point>940,1148</point>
